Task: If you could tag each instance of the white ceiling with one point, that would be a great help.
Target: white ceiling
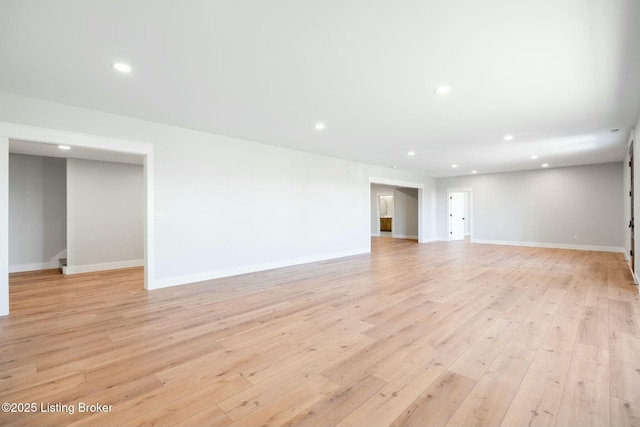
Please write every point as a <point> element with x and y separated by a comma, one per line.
<point>558,75</point>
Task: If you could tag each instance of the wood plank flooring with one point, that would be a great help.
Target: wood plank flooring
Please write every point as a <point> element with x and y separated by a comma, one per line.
<point>455,334</point>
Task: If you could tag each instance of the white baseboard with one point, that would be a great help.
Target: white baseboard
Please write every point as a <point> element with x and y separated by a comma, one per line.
<point>551,245</point>
<point>429,240</point>
<point>436,239</point>
<point>405,236</point>
<point>33,267</point>
<point>375,234</point>
<point>227,272</point>
<point>47,265</point>
<point>89,268</point>
<point>628,259</point>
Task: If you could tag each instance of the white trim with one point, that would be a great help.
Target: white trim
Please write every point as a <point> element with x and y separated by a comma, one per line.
<point>4,225</point>
<point>628,259</point>
<point>432,240</point>
<point>375,234</point>
<point>630,149</point>
<point>149,223</point>
<point>226,272</point>
<point>550,245</point>
<point>405,236</point>
<point>34,267</point>
<point>386,181</point>
<point>90,268</point>
<point>55,136</point>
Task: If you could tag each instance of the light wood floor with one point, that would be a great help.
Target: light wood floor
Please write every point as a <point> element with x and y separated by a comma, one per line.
<point>435,334</point>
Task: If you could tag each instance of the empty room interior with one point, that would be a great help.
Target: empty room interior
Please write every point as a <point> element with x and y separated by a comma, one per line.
<point>362,213</point>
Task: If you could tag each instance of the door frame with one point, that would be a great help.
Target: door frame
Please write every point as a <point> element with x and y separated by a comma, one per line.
<point>465,201</point>
<point>55,137</point>
<point>632,254</point>
<point>469,192</point>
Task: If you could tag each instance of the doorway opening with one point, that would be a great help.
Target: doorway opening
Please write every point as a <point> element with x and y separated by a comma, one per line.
<point>395,211</point>
<point>54,210</point>
<point>52,139</point>
<point>385,216</point>
<point>459,213</point>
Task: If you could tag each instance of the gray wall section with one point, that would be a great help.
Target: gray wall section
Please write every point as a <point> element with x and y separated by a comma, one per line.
<point>406,212</point>
<point>567,206</point>
<point>105,206</point>
<point>37,209</point>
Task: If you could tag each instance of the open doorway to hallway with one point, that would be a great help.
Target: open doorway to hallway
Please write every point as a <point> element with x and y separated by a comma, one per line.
<point>56,140</point>
<point>394,212</point>
<point>80,214</point>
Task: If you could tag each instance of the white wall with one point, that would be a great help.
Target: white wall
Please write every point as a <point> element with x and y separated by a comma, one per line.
<point>405,220</point>
<point>105,215</point>
<point>546,207</point>
<point>37,212</point>
<point>276,211</point>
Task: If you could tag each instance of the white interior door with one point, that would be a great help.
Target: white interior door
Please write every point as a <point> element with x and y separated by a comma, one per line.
<point>456,216</point>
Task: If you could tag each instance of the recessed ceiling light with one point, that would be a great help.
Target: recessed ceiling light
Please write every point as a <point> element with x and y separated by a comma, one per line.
<point>508,137</point>
<point>394,166</point>
<point>122,67</point>
<point>320,126</point>
<point>535,156</point>
<point>474,171</point>
<point>443,90</point>
<point>411,153</point>
<point>454,166</point>
<point>64,147</point>
<point>545,165</point>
